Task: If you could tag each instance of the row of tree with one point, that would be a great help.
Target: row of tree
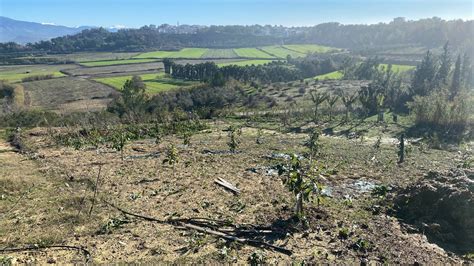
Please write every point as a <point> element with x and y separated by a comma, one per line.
<point>276,71</point>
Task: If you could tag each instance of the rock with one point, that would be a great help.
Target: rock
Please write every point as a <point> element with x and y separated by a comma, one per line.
<point>442,206</point>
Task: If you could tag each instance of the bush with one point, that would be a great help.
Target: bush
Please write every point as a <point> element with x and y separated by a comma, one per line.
<point>6,90</point>
<point>436,112</point>
<point>37,77</point>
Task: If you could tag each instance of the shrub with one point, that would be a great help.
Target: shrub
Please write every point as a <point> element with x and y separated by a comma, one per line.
<point>37,77</point>
<point>435,111</point>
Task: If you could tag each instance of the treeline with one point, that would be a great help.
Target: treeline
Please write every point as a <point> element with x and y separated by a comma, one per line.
<point>433,32</point>
<point>276,71</point>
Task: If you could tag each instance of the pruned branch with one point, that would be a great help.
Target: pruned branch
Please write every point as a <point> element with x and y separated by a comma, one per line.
<point>84,251</point>
<point>199,224</point>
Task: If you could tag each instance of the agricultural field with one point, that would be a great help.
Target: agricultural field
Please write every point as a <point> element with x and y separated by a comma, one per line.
<point>310,48</point>
<point>155,83</point>
<point>399,68</point>
<point>331,75</point>
<point>66,95</point>
<point>281,52</point>
<point>219,53</point>
<point>115,69</point>
<point>252,53</point>
<point>116,62</point>
<point>86,56</point>
<point>183,53</point>
<point>17,73</point>
<point>245,63</point>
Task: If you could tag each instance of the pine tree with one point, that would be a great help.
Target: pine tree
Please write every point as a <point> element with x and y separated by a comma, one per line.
<point>444,69</point>
<point>456,81</point>
<point>425,73</point>
<point>467,76</point>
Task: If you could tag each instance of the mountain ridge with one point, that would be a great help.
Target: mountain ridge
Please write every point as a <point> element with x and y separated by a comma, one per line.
<point>23,32</point>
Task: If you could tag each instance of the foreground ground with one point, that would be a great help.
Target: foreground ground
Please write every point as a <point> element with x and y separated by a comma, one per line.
<point>47,198</point>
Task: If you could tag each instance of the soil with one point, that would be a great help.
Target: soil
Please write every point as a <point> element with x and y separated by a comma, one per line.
<point>47,201</point>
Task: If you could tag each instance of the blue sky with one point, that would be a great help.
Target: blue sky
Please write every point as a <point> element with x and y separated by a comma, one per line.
<point>136,13</point>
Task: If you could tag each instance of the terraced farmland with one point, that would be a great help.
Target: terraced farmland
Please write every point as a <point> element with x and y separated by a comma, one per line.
<point>155,83</point>
<point>252,53</point>
<point>245,63</point>
<point>310,48</point>
<point>183,53</point>
<point>116,62</point>
<point>220,53</point>
<point>281,52</point>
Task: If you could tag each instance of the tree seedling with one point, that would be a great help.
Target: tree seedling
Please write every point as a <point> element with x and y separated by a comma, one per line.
<point>171,157</point>
<point>313,143</point>
<point>234,141</point>
<point>119,140</point>
<point>318,98</point>
<point>298,183</point>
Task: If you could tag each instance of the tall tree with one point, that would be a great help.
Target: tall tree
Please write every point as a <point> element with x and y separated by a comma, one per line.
<point>424,76</point>
<point>456,81</point>
<point>467,76</point>
<point>445,67</point>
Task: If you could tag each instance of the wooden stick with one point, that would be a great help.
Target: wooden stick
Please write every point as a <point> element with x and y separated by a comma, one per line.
<point>95,190</point>
<point>227,185</point>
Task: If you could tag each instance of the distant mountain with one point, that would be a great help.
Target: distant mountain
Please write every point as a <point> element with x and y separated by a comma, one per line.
<point>24,32</point>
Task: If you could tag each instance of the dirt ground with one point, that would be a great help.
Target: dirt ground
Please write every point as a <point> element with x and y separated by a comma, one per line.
<point>46,199</point>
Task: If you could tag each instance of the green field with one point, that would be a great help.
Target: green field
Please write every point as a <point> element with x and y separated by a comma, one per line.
<point>155,83</point>
<point>281,52</point>
<point>245,63</point>
<point>16,73</point>
<point>398,68</point>
<point>252,53</point>
<point>220,53</point>
<point>331,75</point>
<point>183,53</point>
<point>116,62</point>
<point>310,48</point>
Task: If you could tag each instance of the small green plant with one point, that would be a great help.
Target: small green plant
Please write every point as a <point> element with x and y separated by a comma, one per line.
<point>171,155</point>
<point>257,258</point>
<point>234,141</point>
<point>6,260</point>
<point>119,140</point>
<point>343,233</point>
<point>298,182</point>
<point>380,191</point>
<point>111,225</point>
<point>187,138</point>
<point>362,245</point>
<point>313,143</point>
<point>259,139</point>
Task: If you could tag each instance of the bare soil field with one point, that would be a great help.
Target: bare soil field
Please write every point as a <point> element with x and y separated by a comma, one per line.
<point>67,94</point>
<point>62,198</point>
